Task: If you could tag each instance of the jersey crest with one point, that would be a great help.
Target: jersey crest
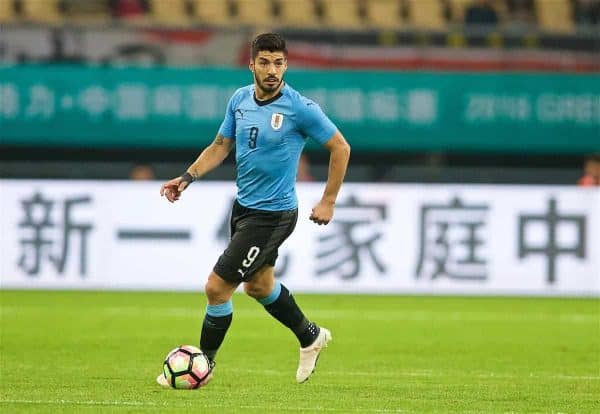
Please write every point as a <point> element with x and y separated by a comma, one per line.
<point>276,121</point>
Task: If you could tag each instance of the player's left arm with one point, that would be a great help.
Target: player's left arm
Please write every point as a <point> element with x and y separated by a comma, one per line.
<point>339,154</point>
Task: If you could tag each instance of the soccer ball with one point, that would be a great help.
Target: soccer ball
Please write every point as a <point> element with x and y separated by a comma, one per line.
<point>186,367</point>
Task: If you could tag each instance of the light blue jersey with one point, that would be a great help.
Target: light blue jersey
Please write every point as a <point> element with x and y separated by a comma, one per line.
<point>269,138</point>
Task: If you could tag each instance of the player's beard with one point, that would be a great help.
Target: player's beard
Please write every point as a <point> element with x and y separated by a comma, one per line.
<point>265,88</point>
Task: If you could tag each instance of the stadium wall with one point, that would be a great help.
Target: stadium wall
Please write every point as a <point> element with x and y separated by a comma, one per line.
<point>144,108</point>
<point>387,239</point>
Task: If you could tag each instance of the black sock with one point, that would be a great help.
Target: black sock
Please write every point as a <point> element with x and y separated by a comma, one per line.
<point>286,311</point>
<point>214,329</point>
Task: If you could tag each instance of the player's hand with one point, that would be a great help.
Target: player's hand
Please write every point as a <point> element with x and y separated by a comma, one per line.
<point>172,189</point>
<point>322,213</point>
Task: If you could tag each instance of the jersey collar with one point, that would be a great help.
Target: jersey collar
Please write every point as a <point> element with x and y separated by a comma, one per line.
<point>270,100</point>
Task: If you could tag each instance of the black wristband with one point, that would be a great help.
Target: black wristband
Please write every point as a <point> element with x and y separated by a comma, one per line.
<point>187,177</point>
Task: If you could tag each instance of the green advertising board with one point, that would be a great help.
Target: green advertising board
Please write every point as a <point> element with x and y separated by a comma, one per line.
<point>91,107</point>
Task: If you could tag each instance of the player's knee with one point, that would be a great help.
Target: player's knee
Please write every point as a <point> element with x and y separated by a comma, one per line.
<point>255,290</point>
<point>250,289</point>
<point>212,291</point>
<point>215,292</point>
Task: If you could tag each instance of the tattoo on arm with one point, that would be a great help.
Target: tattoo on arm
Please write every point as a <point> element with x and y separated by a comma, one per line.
<point>220,140</point>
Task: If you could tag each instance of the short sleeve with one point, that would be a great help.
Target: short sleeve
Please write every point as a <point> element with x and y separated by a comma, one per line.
<point>227,129</point>
<point>313,122</point>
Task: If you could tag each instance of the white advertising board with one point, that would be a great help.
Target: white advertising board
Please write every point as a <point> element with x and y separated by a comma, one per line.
<point>385,238</point>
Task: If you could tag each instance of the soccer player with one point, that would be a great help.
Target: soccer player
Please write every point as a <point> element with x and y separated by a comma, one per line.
<point>268,123</point>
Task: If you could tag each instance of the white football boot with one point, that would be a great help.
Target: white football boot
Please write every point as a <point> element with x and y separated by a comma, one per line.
<point>310,355</point>
<point>162,380</point>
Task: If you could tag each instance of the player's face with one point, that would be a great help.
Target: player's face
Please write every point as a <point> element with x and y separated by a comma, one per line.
<point>268,68</point>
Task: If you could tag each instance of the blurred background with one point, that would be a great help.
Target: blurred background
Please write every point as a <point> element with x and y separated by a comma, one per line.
<point>475,133</point>
<point>102,99</point>
<point>435,91</point>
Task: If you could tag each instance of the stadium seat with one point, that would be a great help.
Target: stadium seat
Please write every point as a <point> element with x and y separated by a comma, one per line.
<point>87,11</point>
<point>211,12</point>
<point>254,12</point>
<point>554,15</point>
<point>172,12</point>
<point>426,14</point>
<point>294,13</point>
<point>384,14</point>
<point>43,11</point>
<point>7,11</point>
<point>342,14</point>
<point>457,9</point>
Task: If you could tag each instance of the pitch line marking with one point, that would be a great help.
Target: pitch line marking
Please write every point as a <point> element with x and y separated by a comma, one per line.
<point>426,374</point>
<point>249,407</point>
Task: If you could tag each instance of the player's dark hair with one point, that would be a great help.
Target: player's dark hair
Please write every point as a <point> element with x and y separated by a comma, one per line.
<point>268,41</point>
<point>593,157</point>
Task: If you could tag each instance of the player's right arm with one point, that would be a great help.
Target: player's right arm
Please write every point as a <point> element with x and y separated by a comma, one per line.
<point>209,159</point>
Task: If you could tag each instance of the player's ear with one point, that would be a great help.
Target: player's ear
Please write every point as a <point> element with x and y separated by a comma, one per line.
<point>251,66</point>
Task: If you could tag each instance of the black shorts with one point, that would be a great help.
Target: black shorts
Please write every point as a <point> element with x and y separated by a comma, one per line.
<point>255,239</point>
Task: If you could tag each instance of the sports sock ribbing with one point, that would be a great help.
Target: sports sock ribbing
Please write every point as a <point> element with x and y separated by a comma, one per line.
<point>282,306</point>
<point>215,326</point>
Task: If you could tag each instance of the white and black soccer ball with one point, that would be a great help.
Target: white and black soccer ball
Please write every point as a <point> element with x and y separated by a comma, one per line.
<point>186,367</point>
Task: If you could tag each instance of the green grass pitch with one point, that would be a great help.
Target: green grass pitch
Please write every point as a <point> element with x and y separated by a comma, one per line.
<point>99,352</point>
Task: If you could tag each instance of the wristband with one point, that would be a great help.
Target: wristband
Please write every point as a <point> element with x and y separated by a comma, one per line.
<point>187,177</point>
